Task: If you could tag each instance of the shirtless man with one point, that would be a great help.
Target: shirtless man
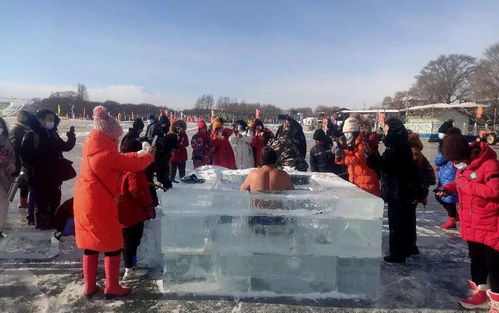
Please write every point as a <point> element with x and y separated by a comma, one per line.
<point>268,177</point>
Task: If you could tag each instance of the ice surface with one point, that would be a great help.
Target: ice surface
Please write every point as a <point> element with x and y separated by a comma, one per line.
<point>323,238</point>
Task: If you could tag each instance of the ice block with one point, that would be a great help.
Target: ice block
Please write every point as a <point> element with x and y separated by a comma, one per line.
<point>324,238</point>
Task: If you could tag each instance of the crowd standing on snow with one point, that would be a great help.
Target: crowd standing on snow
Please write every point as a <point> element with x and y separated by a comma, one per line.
<point>116,187</point>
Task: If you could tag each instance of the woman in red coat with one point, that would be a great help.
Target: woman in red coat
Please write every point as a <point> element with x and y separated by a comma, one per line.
<point>179,155</point>
<point>95,209</point>
<point>477,186</point>
<point>261,137</point>
<point>223,155</point>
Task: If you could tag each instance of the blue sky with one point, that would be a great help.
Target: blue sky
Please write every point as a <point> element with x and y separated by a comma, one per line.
<point>288,53</point>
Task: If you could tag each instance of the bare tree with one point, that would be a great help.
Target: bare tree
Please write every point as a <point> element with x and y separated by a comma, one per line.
<point>82,92</point>
<point>328,110</point>
<point>486,76</point>
<point>205,102</point>
<point>306,111</point>
<point>446,79</point>
<point>223,103</point>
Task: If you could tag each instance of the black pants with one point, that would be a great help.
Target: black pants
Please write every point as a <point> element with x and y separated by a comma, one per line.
<point>131,237</point>
<point>402,224</point>
<point>24,190</point>
<point>47,198</point>
<point>173,170</point>
<point>449,207</point>
<point>484,262</point>
<point>93,252</point>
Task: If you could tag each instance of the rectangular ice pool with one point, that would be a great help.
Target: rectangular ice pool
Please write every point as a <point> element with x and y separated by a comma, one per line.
<point>323,239</point>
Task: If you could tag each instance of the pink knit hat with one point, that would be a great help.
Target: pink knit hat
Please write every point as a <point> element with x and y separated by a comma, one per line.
<point>107,124</point>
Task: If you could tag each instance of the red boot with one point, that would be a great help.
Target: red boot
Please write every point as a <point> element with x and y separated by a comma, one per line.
<point>113,287</point>
<point>494,301</point>
<point>90,274</point>
<point>450,224</point>
<point>477,298</point>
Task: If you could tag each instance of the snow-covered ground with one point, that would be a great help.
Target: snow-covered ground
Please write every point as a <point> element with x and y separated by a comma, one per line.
<point>36,281</point>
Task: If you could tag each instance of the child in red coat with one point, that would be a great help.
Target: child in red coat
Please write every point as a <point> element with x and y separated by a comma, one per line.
<point>135,207</point>
<point>477,186</point>
<point>179,155</point>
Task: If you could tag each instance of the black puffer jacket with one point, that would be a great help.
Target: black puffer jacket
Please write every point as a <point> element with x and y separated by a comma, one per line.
<point>322,160</point>
<point>17,133</point>
<point>291,146</point>
<point>396,165</point>
<point>41,151</point>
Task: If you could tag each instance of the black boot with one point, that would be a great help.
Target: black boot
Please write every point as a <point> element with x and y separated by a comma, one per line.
<point>394,259</point>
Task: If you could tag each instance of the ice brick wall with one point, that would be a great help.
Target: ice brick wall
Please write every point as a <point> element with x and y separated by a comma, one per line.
<point>323,238</point>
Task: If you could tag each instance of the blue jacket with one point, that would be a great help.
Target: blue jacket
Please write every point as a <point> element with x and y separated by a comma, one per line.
<point>446,174</point>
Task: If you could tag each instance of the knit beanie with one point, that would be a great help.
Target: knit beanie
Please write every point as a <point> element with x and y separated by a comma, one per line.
<point>351,125</point>
<point>319,135</point>
<point>106,124</point>
<point>138,124</point>
<point>445,126</point>
<point>202,124</point>
<point>455,148</point>
<point>216,125</point>
<point>415,141</point>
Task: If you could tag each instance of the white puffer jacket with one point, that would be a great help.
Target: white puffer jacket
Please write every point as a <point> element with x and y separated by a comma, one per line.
<point>243,150</point>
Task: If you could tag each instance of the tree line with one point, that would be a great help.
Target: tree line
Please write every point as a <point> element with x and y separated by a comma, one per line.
<point>453,78</point>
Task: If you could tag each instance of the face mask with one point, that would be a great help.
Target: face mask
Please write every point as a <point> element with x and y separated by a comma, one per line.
<point>49,125</point>
<point>460,166</point>
<point>349,137</point>
<point>220,133</point>
<point>240,128</point>
<point>441,136</point>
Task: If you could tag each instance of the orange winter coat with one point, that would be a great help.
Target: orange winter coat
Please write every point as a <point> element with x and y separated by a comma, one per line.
<point>95,212</point>
<point>359,173</point>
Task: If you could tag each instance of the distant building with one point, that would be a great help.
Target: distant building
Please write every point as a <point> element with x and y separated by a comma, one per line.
<point>426,119</point>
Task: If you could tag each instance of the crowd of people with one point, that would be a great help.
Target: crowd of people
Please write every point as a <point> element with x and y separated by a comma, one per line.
<point>116,188</point>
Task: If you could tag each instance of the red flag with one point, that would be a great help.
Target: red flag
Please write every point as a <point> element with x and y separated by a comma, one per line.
<point>257,114</point>
<point>479,112</point>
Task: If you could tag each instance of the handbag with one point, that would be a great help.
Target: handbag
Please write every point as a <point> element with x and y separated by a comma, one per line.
<point>65,170</point>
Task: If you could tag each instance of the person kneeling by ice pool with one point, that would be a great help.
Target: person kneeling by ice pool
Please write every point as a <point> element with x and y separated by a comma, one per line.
<point>267,178</point>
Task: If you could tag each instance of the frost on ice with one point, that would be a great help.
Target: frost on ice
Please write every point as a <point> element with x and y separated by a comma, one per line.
<point>323,239</point>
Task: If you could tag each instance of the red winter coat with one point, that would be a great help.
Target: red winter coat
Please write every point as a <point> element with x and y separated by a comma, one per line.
<point>95,211</point>
<point>359,173</point>
<point>477,187</point>
<point>180,155</point>
<point>223,155</point>
<point>258,143</point>
<point>137,205</point>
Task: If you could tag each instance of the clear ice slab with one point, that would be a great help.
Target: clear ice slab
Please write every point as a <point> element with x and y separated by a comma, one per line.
<point>322,239</point>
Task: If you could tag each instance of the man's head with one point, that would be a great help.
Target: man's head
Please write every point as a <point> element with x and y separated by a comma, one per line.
<point>320,137</point>
<point>268,156</point>
<point>138,125</point>
<point>46,119</point>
